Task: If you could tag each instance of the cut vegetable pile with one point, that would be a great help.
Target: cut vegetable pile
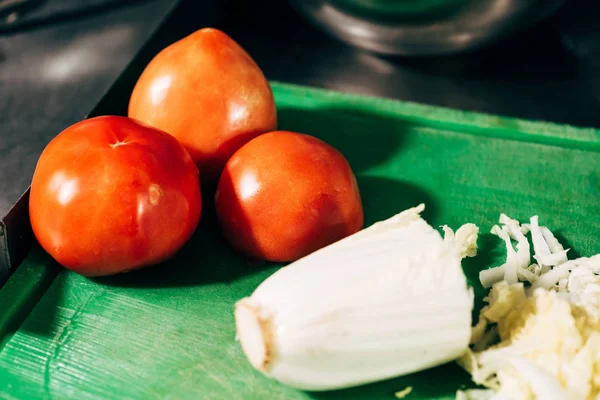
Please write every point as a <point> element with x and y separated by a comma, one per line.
<point>392,299</point>
<point>539,334</point>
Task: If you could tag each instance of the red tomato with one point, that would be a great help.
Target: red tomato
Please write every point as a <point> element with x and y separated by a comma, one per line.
<point>285,194</point>
<point>110,194</point>
<point>207,92</point>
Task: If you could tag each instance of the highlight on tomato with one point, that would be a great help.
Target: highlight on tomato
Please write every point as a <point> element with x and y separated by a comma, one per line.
<point>208,92</point>
<point>111,194</point>
<point>284,195</point>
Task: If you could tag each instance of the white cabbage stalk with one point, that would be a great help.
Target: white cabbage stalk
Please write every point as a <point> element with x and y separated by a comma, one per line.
<point>389,300</point>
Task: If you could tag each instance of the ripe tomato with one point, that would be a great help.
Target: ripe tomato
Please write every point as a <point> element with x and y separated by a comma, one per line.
<point>285,194</point>
<point>110,194</point>
<point>207,92</point>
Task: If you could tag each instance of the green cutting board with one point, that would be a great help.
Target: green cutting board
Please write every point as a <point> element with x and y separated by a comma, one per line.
<point>168,332</point>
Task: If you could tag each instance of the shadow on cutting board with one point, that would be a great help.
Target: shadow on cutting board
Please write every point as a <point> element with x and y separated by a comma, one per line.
<point>28,285</point>
<point>207,258</point>
<point>487,252</point>
<point>433,383</point>
<point>365,138</point>
<point>387,197</point>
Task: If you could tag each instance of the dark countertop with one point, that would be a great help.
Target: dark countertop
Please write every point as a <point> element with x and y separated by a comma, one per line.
<point>550,72</point>
<point>52,76</point>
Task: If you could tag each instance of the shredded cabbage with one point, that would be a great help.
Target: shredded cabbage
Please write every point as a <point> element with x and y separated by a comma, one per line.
<point>542,341</point>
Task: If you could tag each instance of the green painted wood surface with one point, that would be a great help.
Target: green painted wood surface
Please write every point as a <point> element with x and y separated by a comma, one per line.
<point>168,332</point>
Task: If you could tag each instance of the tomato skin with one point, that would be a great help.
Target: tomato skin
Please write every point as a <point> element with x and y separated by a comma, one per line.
<point>286,194</point>
<point>207,92</point>
<point>110,194</point>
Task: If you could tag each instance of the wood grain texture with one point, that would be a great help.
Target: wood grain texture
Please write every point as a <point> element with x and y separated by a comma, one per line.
<point>168,332</point>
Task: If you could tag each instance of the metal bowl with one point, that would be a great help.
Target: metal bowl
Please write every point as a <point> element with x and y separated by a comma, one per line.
<point>423,27</point>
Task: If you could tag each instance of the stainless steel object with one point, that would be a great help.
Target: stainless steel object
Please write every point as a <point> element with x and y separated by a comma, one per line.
<point>423,27</point>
